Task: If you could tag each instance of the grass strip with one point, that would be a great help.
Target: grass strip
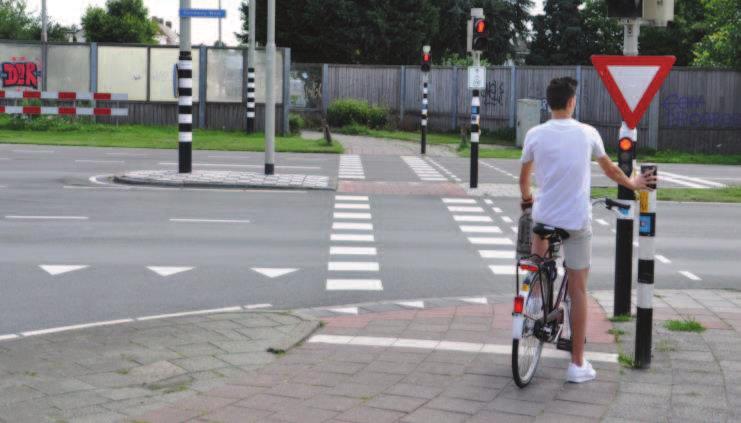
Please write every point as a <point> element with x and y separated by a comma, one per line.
<point>713,195</point>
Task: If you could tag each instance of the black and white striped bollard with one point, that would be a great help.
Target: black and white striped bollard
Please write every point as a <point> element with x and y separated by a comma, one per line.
<point>425,103</point>
<point>644,294</point>
<point>185,112</point>
<point>251,99</point>
<point>475,134</point>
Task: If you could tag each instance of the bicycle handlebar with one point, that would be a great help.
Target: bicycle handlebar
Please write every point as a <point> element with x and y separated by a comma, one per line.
<point>620,209</point>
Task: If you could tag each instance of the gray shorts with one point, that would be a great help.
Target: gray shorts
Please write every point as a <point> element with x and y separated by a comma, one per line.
<point>577,252</point>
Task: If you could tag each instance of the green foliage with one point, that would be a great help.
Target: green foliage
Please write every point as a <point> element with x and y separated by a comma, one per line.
<point>346,112</point>
<point>680,36</point>
<point>621,318</point>
<point>686,325</point>
<point>122,21</point>
<point>626,360</point>
<point>16,23</point>
<point>455,59</point>
<point>721,46</point>
<point>296,123</point>
<point>51,123</point>
<point>355,129</point>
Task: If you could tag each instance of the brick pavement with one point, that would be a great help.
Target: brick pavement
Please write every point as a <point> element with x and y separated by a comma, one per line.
<point>223,179</point>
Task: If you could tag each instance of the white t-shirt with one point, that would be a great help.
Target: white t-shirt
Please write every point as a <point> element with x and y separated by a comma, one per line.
<point>563,150</point>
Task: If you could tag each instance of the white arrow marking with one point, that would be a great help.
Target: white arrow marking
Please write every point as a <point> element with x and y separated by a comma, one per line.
<point>412,304</point>
<point>480,300</point>
<point>58,270</point>
<point>348,310</point>
<point>168,271</point>
<point>273,273</point>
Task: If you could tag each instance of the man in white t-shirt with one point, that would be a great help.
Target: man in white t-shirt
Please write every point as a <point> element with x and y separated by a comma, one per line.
<point>561,151</point>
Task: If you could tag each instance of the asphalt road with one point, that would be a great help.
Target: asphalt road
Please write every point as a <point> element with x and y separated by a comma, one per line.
<point>51,214</point>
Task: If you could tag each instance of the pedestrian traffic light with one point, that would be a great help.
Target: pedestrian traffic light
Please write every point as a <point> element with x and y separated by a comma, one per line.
<point>626,154</point>
<point>480,34</point>
<point>426,59</point>
<point>625,8</point>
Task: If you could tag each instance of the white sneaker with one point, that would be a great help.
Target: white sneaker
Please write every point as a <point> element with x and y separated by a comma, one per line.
<point>576,374</point>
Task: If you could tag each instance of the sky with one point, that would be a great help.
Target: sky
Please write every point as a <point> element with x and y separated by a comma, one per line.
<point>68,12</point>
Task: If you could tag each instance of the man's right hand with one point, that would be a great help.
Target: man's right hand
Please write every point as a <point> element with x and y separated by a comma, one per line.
<point>641,182</point>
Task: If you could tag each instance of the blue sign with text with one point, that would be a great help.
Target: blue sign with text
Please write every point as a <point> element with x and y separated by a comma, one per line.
<point>203,13</point>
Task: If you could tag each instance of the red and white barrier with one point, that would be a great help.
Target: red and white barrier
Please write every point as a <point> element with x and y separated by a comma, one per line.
<point>63,96</point>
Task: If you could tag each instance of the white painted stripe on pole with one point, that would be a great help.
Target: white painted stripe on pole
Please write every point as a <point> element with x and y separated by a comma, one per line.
<point>75,327</point>
<point>354,216</point>
<point>349,206</point>
<point>185,137</point>
<point>497,254</point>
<point>475,101</point>
<point>689,275</point>
<point>465,209</point>
<point>352,251</point>
<point>185,64</point>
<point>646,247</point>
<point>351,198</point>
<point>644,295</point>
<point>119,97</point>
<point>353,266</point>
<point>694,179</point>
<point>490,241</point>
<point>503,270</point>
<point>47,217</point>
<point>251,85</point>
<point>463,218</point>
<point>185,119</point>
<point>662,259</point>
<point>251,104</point>
<point>354,285</point>
<point>250,114</point>
<point>185,101</point>
<point>507,219</point>
<point>481,229</point>
<point>602,222</point>
<point>185,83</point>
<point>352,238</point>
<point>352,226</point>
<point>183,220</point>
<point>474,137</point>
<point>191,313</point>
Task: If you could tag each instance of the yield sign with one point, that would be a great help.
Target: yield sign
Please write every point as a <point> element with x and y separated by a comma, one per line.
<point>633,81</point>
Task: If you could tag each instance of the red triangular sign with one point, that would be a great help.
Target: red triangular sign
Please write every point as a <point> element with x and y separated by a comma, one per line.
<point>633,81</point>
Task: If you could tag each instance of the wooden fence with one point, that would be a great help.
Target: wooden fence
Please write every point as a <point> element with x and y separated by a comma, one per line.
<point>697,110</point>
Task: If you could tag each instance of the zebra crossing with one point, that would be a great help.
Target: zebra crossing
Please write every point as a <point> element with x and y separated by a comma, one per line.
<point>423,169</point>
<point>351,167</point>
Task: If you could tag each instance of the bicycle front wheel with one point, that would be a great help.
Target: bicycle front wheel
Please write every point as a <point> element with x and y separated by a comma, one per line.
<point>526,350</point>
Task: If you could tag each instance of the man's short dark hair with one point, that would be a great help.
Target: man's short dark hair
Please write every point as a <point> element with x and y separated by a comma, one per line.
<point>560,91</point>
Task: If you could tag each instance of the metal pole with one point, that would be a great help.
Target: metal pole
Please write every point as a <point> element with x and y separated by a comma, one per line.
<point>221,43</point>
<point>44,44</point>
<point>251,68</point>
<point>185,95</point>
<point>475,128</point>
<point>644,294</point>
<point>270,93</point>
<point>425,100</point>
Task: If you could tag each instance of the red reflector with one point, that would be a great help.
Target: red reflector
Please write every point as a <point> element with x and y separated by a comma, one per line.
<point>67,96</point>
<point>32,110</point>
<point>31,94</point>
<point>2,94</point>
<point>529,267</point>
<point>101,96</point>
<point>67,111</point>
<point>2,109</point>
<point>519,304</point>
<point>626,144</point>
<point>102,111</point>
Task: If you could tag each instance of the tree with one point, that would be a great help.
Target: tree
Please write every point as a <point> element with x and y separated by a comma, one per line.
<point>16,23</point>
<point>559,36</point>
<point>721,46</point>
<point>122,21</point>
<point>680,36</point>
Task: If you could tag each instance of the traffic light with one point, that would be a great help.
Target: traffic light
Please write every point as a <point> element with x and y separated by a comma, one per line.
<point>480,34</point>
<point>626,154</point>
<point>625,8</point>
<point>426,59</point>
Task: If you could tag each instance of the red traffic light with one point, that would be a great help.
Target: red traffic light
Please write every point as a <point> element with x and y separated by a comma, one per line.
<point>480,27</point>
<point>626,144</point>
<point>426,57</point>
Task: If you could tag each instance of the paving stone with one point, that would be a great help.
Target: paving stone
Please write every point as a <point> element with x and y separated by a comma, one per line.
<point>301,414</point>
<point>489,416</point>
<point>198,364</point>
<point>231,414</point>
<point>575,408</point>
<point>367,414</point>
<point>332,402</point>
<point>513,406</point>
<point>396,403</point>
<point>416,391</point>
<point>456,405</point>
<point>268,402</point>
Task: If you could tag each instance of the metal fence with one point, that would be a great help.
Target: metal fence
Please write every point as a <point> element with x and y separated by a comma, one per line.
<point>697,110</point>
<point>146,74</point>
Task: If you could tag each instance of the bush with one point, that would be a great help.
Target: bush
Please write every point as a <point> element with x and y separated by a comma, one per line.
<point>347,112</point>
<point>354,129</point>
<point>296,123</point>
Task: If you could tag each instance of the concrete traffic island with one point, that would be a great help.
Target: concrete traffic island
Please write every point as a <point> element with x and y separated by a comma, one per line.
<point>224,180</point>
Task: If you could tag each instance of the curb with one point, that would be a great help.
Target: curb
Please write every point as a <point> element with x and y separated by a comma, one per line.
<point>126,180</point>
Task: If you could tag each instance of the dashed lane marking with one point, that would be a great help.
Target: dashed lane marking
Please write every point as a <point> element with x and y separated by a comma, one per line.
<point>189,313</point>
<point>351,198</point>
<point>55,270</point>
<point>662,259</point>
<point>354,285</point>
<point>602,222</point>
<point>352,226</point>
<point>411,304</point>
<point>353,266</point>
<point>503,270</point>
<point>490,241</point>
<point>47,217</point>
<point>507,219</point>
<point>689,275</point>
<point>352,238</point>
<point>352,251</point>
<point>459,218</point>
<point>75,327</point>
<point>354,216</point>
<point>257,306</point>
<point>33,151</point>
<point>101,161</point>
<point>481,229</point>
<point>497,210</point>
<point>352,206</point>
<point>475,300</point>
<point>344,310</point>
<point>465,209</point>
<point>459,201</point>
<point>178,220</point>
<point>497,254</point>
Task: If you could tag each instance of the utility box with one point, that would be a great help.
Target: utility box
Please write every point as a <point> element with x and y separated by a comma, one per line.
<point>528,116</point>
<point>658,12</point>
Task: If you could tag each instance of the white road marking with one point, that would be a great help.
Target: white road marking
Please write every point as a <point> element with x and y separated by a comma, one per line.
<point>190,313</point>
<point>459,201</point>
<point>257,306</point>
<point>602,222</point>
<point>506,219</point>
<point>165,271</point>
<point>411,304</point>
<point>464,209</point>
<point>96,187</point>
<point>514,229</point>
<point>344,310</point>
<point>33,151</point>
<point>101,161</point>
<point>353,266</point>
<point>354,216</point>
<point>496,209</point>
<point>461,218</point>
<point>8,337</point>
<point>693,179</point>
<point>354,285</point>
<point>125,155</point>
<point>4,158</point>
<point>613,231</point>
<point>681,182</point>
<point>481,229</point>
<point>490,241</point>
<point>47,217</point>
<point>351,167</point>
<point>428,344</point>
<point>352,226</point>
<point>476,300</point>
<point>352,238</point>
<point>503,270</point>
<point>662,259</point>
<point>689,275</point>
<point>75,327</point>
<point>353,206</point>
<point>273,272</point>
<point>177,220</point>
<point>351,198</point>
<point>352,251</point>
<point>497,254</point>
<point>488,201</point>
<point>55,270</point>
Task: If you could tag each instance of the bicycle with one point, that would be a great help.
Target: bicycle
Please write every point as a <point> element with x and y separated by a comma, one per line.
<point>537,317</point>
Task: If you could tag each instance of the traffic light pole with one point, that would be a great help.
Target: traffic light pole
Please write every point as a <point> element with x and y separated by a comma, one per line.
<point>185,96</point>
<point>251,68</point>
<point>475,128</point>
<point>644,294</point>
<point>270,93</point>
<point>425,104</point>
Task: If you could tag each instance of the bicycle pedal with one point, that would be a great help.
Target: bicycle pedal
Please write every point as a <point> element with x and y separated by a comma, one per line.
<point>563,344</point>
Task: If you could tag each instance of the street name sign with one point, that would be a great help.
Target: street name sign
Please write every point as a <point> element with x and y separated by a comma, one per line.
<point>476,77</point>
<point>203,13</point>
<point>633,81</point>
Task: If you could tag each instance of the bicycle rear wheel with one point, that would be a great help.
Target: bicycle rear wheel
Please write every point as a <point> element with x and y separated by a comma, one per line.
<point>526,350</point>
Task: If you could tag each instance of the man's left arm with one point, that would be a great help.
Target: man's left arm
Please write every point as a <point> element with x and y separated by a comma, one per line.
<point>525,191</point>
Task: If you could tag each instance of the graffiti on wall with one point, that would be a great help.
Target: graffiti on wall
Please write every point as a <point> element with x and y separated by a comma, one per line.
<point>494,93</point>
<point>680,111</point>
<point>20,72</point>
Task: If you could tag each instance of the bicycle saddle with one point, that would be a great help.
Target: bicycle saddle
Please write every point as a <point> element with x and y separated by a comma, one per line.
<point>548,232</point>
